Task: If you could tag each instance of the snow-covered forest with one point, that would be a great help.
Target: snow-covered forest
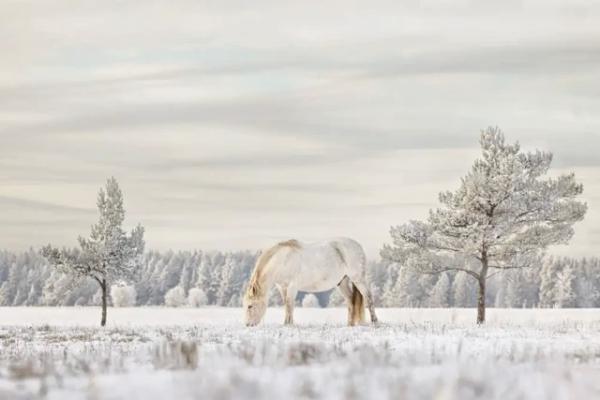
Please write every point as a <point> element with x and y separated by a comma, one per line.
<point>196,278</point>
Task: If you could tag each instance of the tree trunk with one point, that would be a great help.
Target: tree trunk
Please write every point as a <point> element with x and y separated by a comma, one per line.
<point>482,281</point>
<point>103,286</point>
<point>481,301</point>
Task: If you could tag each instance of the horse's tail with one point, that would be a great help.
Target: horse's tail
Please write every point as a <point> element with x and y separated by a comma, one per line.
<point>358,306</point>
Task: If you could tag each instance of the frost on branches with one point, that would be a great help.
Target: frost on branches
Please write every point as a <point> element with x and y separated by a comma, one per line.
<point>109,254</point>
<point>503,215</point>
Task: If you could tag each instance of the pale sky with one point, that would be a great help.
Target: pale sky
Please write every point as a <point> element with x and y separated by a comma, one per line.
<point>231,125</point>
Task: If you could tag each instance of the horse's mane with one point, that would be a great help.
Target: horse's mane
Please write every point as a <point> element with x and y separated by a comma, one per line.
<point>254,287</point>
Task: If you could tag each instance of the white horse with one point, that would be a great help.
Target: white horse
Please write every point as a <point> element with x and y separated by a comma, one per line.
<point>316,267</point>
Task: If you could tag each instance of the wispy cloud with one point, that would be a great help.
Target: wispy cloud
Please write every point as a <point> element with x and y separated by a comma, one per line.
<point>280,117</point>
<point>28,204</point>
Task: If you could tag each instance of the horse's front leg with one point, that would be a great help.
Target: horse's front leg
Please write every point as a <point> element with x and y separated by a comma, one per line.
<point>283,292</point>
<point>289,300</point>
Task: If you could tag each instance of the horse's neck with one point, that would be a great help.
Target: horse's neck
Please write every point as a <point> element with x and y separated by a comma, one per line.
<point>265,279</point>
<point>270,272</point>
<point>268,277</point>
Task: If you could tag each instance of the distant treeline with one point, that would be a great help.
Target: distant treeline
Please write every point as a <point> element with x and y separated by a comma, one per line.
<point>26,279</point>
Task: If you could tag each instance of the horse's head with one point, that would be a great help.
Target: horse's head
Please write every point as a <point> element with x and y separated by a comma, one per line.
<point>255,304</point>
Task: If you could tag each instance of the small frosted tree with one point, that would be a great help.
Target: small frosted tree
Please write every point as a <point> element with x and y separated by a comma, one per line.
<point>516,291</point>
<point>407,288</point>
<point>548,282</point>
<point>587,293</point>
<point>503,215</point>
<point>463,295</point>
<point>197,298</point>
<point>440,294</point>
<point>566,296</point>
<point>175,297</point>
<point>109,254</point>
<point>123,295</point>
<point>224,292</point>
<point>500,299</point>
<point>310,301</point>
<point>390,297</point>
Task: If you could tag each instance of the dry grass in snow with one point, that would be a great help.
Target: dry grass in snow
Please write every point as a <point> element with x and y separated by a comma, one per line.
<point>158,353</point>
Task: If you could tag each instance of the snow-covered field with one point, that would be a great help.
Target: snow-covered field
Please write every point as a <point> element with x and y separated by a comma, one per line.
<point>161,353</point>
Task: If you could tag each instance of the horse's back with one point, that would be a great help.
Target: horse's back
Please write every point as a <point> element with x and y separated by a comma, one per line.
<point>353,252</point>
<point>346,246</point>
<point>345,252</point>
<point>319,266</point>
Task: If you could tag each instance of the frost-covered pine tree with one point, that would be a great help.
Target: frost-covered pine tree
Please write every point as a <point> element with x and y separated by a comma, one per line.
<point>426,283</point>
<point>56,289</point>
<point>407,289</point>
<point>109,254</point>
<point>440,294</point>
<point>227,273</point>
<point>586,285</point>
<point>566,296</point>
<point>188,271</point>
<point>502,216</point>
<point>232,280</point>
<point>376,276</point>
<point>515,290</point>
<point>398,291</point>
<point>500,299</point>
<point>205,278</point>
<point>531,286</point>
<point>389,297</point>
<point>587,293</point>
<point>548,281</point>
<point>462,292</point>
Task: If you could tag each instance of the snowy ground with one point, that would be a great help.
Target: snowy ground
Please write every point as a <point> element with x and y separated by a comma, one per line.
<point>160,353</point>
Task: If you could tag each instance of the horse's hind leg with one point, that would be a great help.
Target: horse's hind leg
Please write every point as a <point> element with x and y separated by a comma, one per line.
<point>363,288</point>
<point>346,289</point>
